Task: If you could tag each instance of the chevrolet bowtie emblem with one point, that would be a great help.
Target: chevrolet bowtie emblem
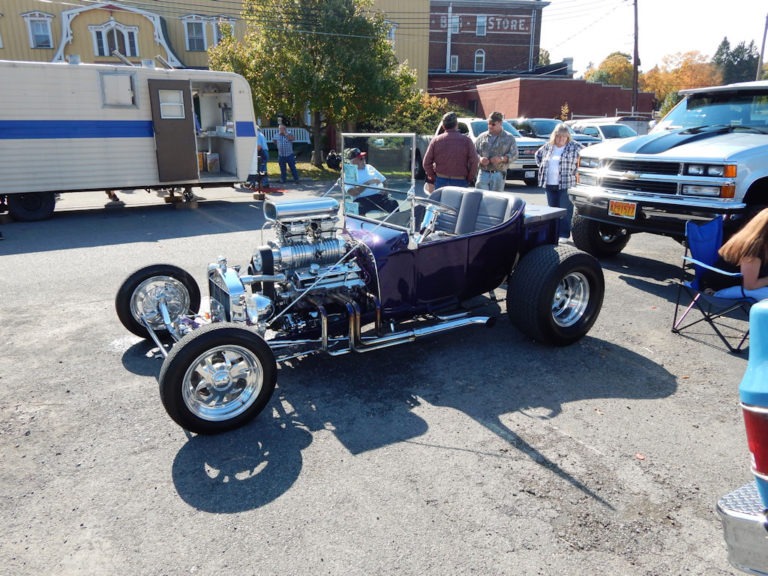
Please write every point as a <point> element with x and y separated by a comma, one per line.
<point>630,176</point>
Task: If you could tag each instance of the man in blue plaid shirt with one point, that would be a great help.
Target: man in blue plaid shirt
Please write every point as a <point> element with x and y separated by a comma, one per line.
<point>285,156</point>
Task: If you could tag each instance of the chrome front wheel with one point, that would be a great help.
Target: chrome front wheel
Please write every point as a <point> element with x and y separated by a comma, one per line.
<point>217,378</point>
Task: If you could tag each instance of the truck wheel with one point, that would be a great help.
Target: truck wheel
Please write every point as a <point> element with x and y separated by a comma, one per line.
<point>555,293</point>
<point>217,378</point>
<point>599,239</point>
<point>142,292</point>
<point>31,207</point>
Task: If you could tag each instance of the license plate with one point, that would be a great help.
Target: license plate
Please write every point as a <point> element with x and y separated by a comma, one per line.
<point>622,209</point>
<point>530,174</point>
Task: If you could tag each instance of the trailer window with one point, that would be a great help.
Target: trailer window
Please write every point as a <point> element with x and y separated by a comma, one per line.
<point>171,104</point>
<point>118,90</point>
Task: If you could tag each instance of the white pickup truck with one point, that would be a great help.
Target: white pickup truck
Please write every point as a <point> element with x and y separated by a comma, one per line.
<point>707,157</point>
<point>522,168</point>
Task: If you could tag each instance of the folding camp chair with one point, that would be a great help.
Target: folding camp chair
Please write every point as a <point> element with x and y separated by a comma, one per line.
<point>702,243</point>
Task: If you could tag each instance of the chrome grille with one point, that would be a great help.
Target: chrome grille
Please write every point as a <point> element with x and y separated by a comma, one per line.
<point>647,186</point>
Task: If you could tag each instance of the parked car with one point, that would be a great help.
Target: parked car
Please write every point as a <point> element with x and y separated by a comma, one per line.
<point>542,128</point>
<point>335,282</point>
<point>604,131</point>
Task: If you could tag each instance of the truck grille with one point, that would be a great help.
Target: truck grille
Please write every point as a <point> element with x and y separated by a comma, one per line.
<point>643,167</point>
<point>649,187</point>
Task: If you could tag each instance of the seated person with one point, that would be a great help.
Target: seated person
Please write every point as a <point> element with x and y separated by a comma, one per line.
<point>366,189</point>
<point>748,249</point>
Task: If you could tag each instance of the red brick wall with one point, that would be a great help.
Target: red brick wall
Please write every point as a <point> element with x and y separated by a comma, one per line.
<point>507,42</point>
<point>544,98</point>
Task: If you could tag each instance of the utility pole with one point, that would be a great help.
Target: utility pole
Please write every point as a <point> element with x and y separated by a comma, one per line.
<point>448,40</point>
<point>762,51</point>
<point>635,65</point>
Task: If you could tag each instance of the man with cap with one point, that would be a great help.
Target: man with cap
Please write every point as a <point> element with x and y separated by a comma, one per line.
<point>497,148</point>
<point>451,158</point>
<point>366,188</point>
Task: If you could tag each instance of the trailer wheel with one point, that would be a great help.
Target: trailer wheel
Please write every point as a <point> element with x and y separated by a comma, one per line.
<point>32,206</point>
<point>217,378</point>
<point>555,293</point>
<point>142,292</point>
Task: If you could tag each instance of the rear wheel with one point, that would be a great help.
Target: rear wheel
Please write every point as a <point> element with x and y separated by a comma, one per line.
<point>555,293</point>
<point>32,206</point>
<point>217,378</point>
<point>599,239</point>
<point>142,293</point>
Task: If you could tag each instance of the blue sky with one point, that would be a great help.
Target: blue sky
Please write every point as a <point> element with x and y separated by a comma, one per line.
<point>589,30</point>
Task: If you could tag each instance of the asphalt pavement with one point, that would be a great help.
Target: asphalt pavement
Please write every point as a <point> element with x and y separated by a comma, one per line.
<point>473,452</point>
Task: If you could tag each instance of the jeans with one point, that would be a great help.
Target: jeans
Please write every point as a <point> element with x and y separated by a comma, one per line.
<point>289,161</point>
<point>491,180</point>
<point>440,182</point>
<point>558,198</point>
<point>263,160</point>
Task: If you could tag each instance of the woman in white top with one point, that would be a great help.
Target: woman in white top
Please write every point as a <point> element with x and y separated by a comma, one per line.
<point>558,160</point>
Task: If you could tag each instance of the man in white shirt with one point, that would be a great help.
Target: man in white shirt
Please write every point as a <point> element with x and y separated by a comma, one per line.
<point>367,185</point>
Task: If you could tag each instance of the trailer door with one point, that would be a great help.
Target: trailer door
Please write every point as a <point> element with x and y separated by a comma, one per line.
<point>175,143</point>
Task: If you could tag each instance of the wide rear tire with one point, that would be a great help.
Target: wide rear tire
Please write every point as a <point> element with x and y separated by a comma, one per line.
<point>555,293</point>
<point>217,378</point>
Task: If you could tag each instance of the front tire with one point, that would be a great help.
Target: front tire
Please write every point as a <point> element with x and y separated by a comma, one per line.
<point>217,378</point>
<point>599,239</point>
<point>142,292</point>
<point>555,293</point>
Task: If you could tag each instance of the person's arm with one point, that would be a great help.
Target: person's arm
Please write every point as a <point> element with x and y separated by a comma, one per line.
<point>428,162</point>
<point>474,163</point>
<point>750,271</point>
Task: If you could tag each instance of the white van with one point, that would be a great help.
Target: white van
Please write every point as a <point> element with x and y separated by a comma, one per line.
<point>95,127</point>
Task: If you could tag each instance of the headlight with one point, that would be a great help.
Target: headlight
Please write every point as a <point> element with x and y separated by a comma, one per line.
<point>713,170</point>
<point>587,162</point>
<point>586,180</point>
<point>690,190</point>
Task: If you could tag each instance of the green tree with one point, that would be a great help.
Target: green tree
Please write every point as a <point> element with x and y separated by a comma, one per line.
<point>544,57</point>
<point>615,69</point>
<point>738,64</point>
<point>331,57</point>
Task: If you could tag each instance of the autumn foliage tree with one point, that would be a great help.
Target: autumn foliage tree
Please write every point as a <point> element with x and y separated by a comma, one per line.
<point>616,69</point>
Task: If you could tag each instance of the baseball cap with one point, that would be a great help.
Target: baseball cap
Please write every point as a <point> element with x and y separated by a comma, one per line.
<point>352,153</point>
<point>496,117</point>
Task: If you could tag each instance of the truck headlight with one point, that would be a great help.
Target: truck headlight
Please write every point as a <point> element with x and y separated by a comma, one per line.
<point>587,162</point>
<point>714,170</point>
<point>690,190</point>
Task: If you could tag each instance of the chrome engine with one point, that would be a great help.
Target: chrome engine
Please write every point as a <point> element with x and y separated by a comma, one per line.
<point>309,265</point>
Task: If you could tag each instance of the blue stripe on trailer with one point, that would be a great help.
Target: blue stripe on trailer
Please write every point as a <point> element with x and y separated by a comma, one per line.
<point>245,129</point>
<point>59,129</point>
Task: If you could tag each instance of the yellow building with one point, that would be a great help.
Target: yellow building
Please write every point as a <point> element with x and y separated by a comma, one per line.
<point>178,33</point>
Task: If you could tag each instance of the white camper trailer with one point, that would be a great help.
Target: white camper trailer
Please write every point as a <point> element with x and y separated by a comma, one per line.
<point>83,127</point>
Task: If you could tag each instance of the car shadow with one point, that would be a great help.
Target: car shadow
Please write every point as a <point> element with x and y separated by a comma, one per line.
<point>369,408</point>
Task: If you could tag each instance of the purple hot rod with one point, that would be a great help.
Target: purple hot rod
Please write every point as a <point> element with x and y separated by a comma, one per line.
<point>335,282</point>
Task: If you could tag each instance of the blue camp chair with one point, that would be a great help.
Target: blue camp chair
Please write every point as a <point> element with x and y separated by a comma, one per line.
<point>699,264</point>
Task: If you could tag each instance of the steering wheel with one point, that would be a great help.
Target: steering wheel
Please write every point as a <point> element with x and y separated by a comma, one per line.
<point>428,222</point>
